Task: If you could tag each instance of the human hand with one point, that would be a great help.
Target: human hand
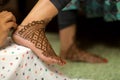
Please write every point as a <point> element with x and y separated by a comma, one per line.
<point>7,21</point>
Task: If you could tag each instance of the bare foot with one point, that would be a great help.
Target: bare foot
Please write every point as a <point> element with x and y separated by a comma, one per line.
<point>33,37</point>
<point>75,54</point>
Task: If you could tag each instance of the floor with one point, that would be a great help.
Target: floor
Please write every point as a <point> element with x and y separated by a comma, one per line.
<point>108,71</point>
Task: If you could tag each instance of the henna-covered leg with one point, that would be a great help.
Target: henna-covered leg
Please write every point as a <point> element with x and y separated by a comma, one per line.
<point>33,36</point>
<point>29,36</point>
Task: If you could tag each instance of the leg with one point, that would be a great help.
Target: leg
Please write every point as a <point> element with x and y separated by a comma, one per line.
<point>69,49</point>
<point>31,31</point>
<point>66,36</point>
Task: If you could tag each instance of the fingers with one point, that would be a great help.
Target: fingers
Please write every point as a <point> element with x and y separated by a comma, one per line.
<point>7,20</point>
<point>11,24</point>
<point>3,12</point>
<point>7,16</point>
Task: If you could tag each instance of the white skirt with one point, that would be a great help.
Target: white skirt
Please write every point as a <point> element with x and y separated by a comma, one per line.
<point>20,63</point>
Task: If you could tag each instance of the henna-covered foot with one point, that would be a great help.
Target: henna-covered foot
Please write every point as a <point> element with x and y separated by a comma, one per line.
<point>75,54</point>
<point>33,36</point>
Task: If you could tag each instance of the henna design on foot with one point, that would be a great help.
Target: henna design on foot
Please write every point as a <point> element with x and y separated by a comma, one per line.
<point>76,54</point>
<point>35,33</point>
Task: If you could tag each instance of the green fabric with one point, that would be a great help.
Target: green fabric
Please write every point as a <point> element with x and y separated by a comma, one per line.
<point>73,5</point>
<point>108,9</point>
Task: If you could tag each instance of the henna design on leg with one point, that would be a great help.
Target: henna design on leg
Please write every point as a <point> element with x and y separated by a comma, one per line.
<point>35,33</point>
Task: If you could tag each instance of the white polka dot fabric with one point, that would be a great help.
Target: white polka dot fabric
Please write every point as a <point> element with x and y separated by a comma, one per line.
<point>20,63</point>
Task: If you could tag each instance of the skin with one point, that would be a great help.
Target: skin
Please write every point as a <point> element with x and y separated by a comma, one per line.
<point>71,51</point>
<point>44,11</point>
<point>7,21</point>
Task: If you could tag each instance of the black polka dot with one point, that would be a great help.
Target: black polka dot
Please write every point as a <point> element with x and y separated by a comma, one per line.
<point>42,78</point>
<point>16,58</point>
<point>23,73</point>
<point>28,57</point>
<point>35,64</point>
<point>3,67</point>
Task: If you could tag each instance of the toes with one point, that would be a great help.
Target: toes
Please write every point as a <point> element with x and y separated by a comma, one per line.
<point>105,60</point>
<point>54,60</point>
<point>60,62</point>
<point>95,59</point>
<point>102,60</point>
